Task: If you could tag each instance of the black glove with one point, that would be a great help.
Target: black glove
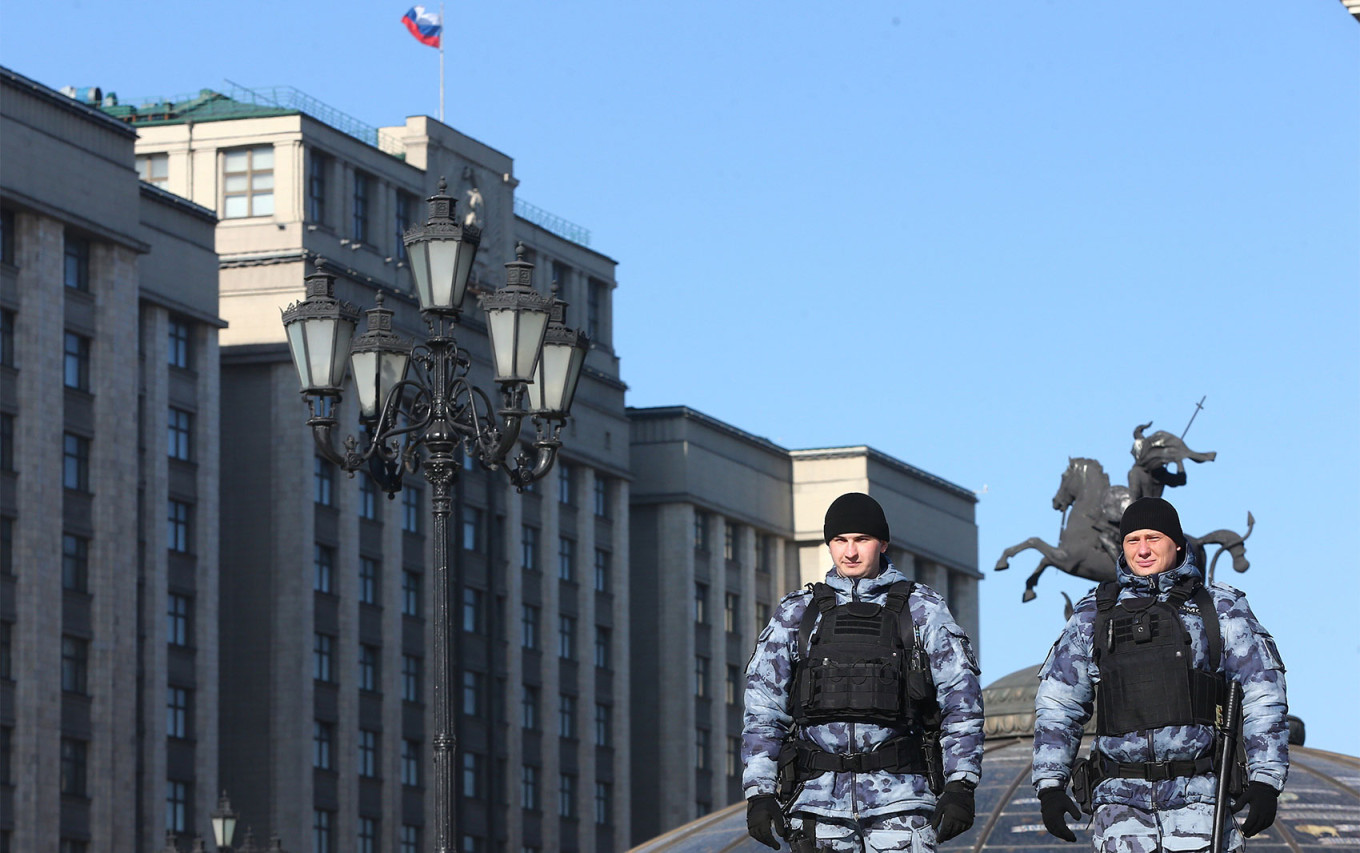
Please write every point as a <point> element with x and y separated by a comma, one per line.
<point>764,818</point>
<point>1259,800</point>
<point>954,811</point>
<point>1054,803</point>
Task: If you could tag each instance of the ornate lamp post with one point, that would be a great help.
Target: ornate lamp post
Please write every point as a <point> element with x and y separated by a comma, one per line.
<point>418,411</point>
<point>224,823</point>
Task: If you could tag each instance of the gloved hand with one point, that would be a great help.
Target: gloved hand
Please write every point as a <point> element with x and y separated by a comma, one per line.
<point>1259,800</point>
<point>1054,803</point>
<point>954,811</point>
<point>764,818</point>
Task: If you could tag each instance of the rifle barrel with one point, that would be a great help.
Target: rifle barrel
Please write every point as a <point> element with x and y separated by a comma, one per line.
<point>1227,750</point>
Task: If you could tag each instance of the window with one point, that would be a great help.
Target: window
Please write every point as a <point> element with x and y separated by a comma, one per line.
<point>323,742</point>
<point>731,606</point>
<point>178,334</point>
<point>729,541</point>
<point>471,844</point>
<point>604,803</point>
<point>701,749</point>
<point>410,762</point>
<point>602,641</point>
<point>528,709</point>
<point>566,795</point>
<point>700,530</point>
<point>7,337</point>
<point>763,553</point>
<point>318,165</point>
<point>410,509</point>
<point>369,572</point>
<point>323,646</point>
<point>177,806</point>
<point>368,667</point>
<point>177,619</point>
<point>75,462</point>
<point>321,831</point>
<point>528,547</point>
<point>368,499</point>
<point>75,562</point>
<point>564,483</point>
<point>75,659</point>
<point>177,712</point>
<point>735,686</point>
<point>602,508</point>
<point>603,561</point>
<point>472,693</point>
<point>323,572</point>
<point>76,263</point>
<point>177,526</point>
<point>76,362</point>
<point>7,651</point>
<point>6,546</point>
<point>410,593</point>
<point>762,614</point>
<point>363,188</point>
<point>368,835</point>
<point>473,622</point>
<point>6,442</point>
<point>566,632</point>
<point>73,754</point>
<point>472,775</point>
<point>566,716</point>
<point>528,786</point>
<point>154,168</point>
<point>566,558</point>
<point>179,431</point>
<point>368,753</point>
<point>700,676</point>
<point>6,755</point>
<point>410,839</point>
<point>472,525</point>
<point>248,182</point>
<point>604,729</point>
<point>561,274</point>
<point>405,217</point>
<point>411,666</point>
<point>528,620</point>
<point>734,756</point>
<point>701,603</point>
<point>7,224</point>
<point>323,482</point>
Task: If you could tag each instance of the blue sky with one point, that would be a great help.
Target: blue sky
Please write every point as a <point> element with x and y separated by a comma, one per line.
<point>980,237</point>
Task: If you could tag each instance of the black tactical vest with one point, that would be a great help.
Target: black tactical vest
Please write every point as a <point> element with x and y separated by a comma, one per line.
<point>1147,674</point>
<point>863,662</point>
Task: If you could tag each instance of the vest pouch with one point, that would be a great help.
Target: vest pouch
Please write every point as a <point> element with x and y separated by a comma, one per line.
<point>1145,689</point>
<point>859,690</point>
<point>919,686</point>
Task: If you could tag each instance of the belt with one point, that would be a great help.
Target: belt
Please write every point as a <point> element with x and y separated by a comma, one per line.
<point>1154,771</point>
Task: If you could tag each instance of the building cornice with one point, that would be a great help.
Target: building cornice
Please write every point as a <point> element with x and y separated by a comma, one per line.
<point>887,461</point>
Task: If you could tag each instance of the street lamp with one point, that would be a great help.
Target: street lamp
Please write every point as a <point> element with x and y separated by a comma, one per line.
<point>224,823</point>
<point>418,410</point>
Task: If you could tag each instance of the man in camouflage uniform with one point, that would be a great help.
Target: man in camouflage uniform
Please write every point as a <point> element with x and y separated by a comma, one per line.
<point>1154,767</point>
<point>861,807</point>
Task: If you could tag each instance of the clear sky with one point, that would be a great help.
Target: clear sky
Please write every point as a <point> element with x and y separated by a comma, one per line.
<point>979,237</point>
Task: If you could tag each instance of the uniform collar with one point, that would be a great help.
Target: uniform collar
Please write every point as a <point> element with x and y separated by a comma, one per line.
<point>865,586</point>
<point>1162,581</point>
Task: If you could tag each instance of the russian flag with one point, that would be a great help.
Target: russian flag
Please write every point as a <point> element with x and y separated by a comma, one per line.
<point>425,26</point>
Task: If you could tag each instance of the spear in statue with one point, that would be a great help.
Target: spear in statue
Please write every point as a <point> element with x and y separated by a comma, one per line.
<point>1198,406</point>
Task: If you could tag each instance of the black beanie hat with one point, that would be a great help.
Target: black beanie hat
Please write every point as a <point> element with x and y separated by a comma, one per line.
<point>1152,514</point>
<point>855,512</point>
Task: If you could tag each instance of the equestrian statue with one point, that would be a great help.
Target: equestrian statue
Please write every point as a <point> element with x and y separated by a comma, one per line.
<point>1088,544</point>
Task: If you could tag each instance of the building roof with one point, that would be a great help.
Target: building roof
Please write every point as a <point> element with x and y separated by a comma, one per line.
<point>1319,809</point>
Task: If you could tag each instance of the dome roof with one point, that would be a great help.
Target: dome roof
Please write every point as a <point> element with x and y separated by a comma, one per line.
<point>1320,806</point>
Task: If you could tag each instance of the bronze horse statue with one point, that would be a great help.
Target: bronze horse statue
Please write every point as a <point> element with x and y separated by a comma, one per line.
<point>1088,545</point>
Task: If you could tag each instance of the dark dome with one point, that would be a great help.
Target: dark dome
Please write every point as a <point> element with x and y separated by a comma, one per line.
<point>1320,806</point>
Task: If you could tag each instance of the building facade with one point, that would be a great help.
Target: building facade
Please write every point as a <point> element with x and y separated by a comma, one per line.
<point>723,524</point>
<point>108,488</point>
<point>326,590</point>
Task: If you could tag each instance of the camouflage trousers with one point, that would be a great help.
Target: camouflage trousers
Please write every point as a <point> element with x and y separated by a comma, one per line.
<point>1125,829</point>
<point>900,833</point>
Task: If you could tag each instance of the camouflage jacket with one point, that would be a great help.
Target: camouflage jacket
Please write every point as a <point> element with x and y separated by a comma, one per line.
<point>768,718</point>
<point>1066,696</point>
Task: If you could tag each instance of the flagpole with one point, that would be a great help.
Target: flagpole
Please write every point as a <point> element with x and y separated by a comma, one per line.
<point>441,63</point>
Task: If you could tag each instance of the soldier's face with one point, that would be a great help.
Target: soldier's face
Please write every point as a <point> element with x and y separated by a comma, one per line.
<point>1149,551</point>
<point>856,554</point>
